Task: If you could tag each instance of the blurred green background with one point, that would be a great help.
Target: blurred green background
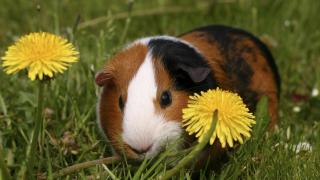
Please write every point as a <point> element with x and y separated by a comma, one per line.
<point>98,28</point>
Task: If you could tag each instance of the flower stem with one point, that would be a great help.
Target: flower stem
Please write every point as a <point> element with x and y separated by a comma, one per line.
<point>36,133</point>
<point>3,167</point>
<point>195,151</point>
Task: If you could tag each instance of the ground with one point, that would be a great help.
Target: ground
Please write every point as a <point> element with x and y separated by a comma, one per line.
<point>100,28</point>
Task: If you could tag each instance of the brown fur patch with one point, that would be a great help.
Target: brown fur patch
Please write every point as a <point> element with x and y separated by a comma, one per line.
<point>179,98</point>
<point>262,80</point>
<point>120,69</point>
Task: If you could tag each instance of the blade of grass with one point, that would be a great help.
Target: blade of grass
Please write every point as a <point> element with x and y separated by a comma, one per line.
<point>3,167</point>
<point>114,177</point>
<point>195,151</point>
<point>164,155</point>
<point>4,111</point>
<point>137,175</point>
<point>49,161</point>
<point>80,166</point>
<point>128,20</point>
<point>262,118</point>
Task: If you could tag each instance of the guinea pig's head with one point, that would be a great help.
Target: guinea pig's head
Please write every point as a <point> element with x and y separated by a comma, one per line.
<point>145,88</point>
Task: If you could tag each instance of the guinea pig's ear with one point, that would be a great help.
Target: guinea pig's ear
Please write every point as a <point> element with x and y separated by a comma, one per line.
<point>196,74</point>
<point>102,77</point>
<point>187,66</point>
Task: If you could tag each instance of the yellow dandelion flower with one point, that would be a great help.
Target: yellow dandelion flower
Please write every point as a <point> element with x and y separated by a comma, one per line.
<point>234,119</point>
<point>41,54</point>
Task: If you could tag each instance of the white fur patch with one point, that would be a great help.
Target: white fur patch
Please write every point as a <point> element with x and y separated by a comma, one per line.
<point>146,40</point>
<point>142,127</point>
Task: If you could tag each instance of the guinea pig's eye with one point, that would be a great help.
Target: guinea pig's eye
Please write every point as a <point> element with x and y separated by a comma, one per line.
<point>165,99</point>
<point>121,103</point>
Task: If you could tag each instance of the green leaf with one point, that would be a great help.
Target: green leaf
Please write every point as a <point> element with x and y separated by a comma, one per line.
<point>262,119</point>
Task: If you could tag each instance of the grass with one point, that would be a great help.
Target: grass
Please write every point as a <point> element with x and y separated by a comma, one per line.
<point>290,28</point>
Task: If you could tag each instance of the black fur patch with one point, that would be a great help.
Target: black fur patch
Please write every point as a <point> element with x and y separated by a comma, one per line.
<point>221,35</point>
<point>239,72</point>
<point>179,59</point>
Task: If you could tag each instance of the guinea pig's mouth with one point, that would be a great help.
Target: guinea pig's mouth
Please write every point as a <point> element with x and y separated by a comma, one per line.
<point>145,153</point>
<point>152,151</point>
<point>142,151</point>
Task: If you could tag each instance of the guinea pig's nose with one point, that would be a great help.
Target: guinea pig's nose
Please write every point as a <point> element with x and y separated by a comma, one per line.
<point>142,150</point>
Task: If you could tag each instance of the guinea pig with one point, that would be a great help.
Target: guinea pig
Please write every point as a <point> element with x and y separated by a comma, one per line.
<point>147,84</point>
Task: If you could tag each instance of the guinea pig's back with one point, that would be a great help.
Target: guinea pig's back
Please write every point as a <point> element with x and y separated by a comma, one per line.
<point>240,62</point>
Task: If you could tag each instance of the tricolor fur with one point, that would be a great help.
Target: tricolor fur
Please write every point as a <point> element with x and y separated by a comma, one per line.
<point>140,79</point>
